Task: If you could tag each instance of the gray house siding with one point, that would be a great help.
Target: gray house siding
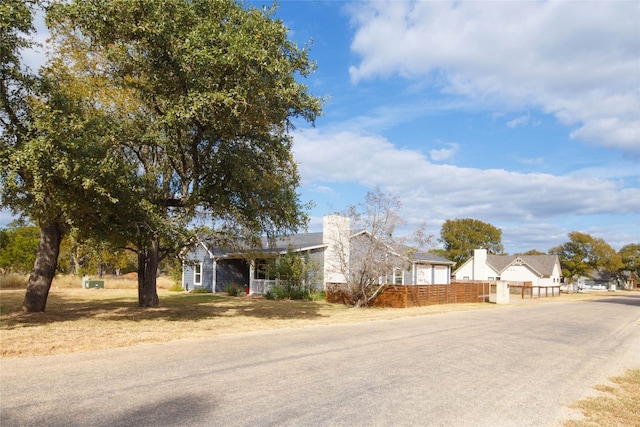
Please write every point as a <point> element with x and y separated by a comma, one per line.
<point>232,271</point>
<point>198,255</point>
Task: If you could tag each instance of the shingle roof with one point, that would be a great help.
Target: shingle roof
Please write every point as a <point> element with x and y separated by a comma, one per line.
<point>423,257</point>
<point>296,242</point>
<point>542,264</point>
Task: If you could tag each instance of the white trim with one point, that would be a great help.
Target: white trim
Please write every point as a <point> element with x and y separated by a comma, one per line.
<point>401,276</point>
<point>197,271</point>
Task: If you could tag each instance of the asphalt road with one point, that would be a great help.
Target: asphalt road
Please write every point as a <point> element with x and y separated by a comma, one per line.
<point>503,366</point>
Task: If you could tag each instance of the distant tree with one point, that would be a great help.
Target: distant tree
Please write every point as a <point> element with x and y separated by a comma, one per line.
<point>372,256</point>
<point>630,257</point>
<point>93,257</point>
<point>461,236</point>
<point>583,254</point>
<point>531,252</point>
<point>18,247</point>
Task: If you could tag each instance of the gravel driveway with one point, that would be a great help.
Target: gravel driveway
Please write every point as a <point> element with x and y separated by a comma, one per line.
<point>517,365</point>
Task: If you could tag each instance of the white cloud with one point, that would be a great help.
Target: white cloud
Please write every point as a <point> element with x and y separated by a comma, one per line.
<point>436,192</point>
<point>519,121</point>
<point>532,161</point>
<point>576,60</point>
<point>442,154</point>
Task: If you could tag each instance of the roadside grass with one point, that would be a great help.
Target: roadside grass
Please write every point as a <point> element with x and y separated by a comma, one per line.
<point>617,405</point>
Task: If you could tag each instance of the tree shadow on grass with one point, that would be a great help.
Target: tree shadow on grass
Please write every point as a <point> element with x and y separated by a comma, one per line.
<point>67,307</point>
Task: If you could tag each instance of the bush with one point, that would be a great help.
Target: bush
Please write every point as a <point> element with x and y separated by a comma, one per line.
<point>317,295</point>
<point>233,290</point>
<point>176,287</point>
<point>284,291</point>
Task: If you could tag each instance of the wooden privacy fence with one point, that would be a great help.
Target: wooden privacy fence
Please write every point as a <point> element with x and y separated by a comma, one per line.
<point>399,296</point>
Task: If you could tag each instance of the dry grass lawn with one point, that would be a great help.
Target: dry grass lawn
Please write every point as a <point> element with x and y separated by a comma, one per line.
<point>79,319</point>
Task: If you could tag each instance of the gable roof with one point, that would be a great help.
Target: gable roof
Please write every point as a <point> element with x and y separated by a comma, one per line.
<point>540,264</point>
<point>297,242</point>
<point>427,258</point>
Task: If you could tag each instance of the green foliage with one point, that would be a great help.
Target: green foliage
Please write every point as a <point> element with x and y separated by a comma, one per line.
<point>583,254</point>
<point>288,291</point>
<point>174,268</point>
<point>93,257</point>
<point>461,236</point>
<point>200,98</point>
<point>18,247</point>
<point>176,287</point>
<point>531,252</point>
<point>233,290</point>
<point>317,295</point>
<point>630,257</point>
<point>294,272</point>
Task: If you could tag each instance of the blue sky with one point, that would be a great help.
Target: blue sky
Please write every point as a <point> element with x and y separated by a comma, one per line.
<point>525,115</point>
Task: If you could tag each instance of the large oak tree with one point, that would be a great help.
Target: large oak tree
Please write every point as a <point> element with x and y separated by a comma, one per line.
<point>56,168</point>
<point>209,92</point>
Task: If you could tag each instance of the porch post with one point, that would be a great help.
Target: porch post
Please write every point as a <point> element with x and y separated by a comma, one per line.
<point>252,268</point>
<point>213,275</point>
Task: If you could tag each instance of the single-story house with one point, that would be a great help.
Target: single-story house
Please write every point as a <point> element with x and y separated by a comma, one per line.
<point>206,265</point>
<point>602,279</point>
<point>540,270</point>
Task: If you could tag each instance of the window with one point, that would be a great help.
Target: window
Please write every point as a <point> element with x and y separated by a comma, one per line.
<point>197,275</point>
<point>398,277</point>
<point>261,271</point>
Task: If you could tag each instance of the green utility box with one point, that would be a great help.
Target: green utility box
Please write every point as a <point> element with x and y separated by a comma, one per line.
<point>92,284</point>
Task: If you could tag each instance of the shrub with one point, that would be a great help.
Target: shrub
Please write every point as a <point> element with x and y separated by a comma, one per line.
<point>233,290</point>
<point>288,291</point>
<point>176,287</point>
<point>317,295</point>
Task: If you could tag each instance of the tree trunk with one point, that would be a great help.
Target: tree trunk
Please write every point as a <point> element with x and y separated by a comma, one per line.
<point>147,274</point>
<point>44,268</point>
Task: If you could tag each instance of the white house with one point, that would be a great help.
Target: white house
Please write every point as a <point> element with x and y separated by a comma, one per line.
<point>540,270</point>
<point>208,266</point>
